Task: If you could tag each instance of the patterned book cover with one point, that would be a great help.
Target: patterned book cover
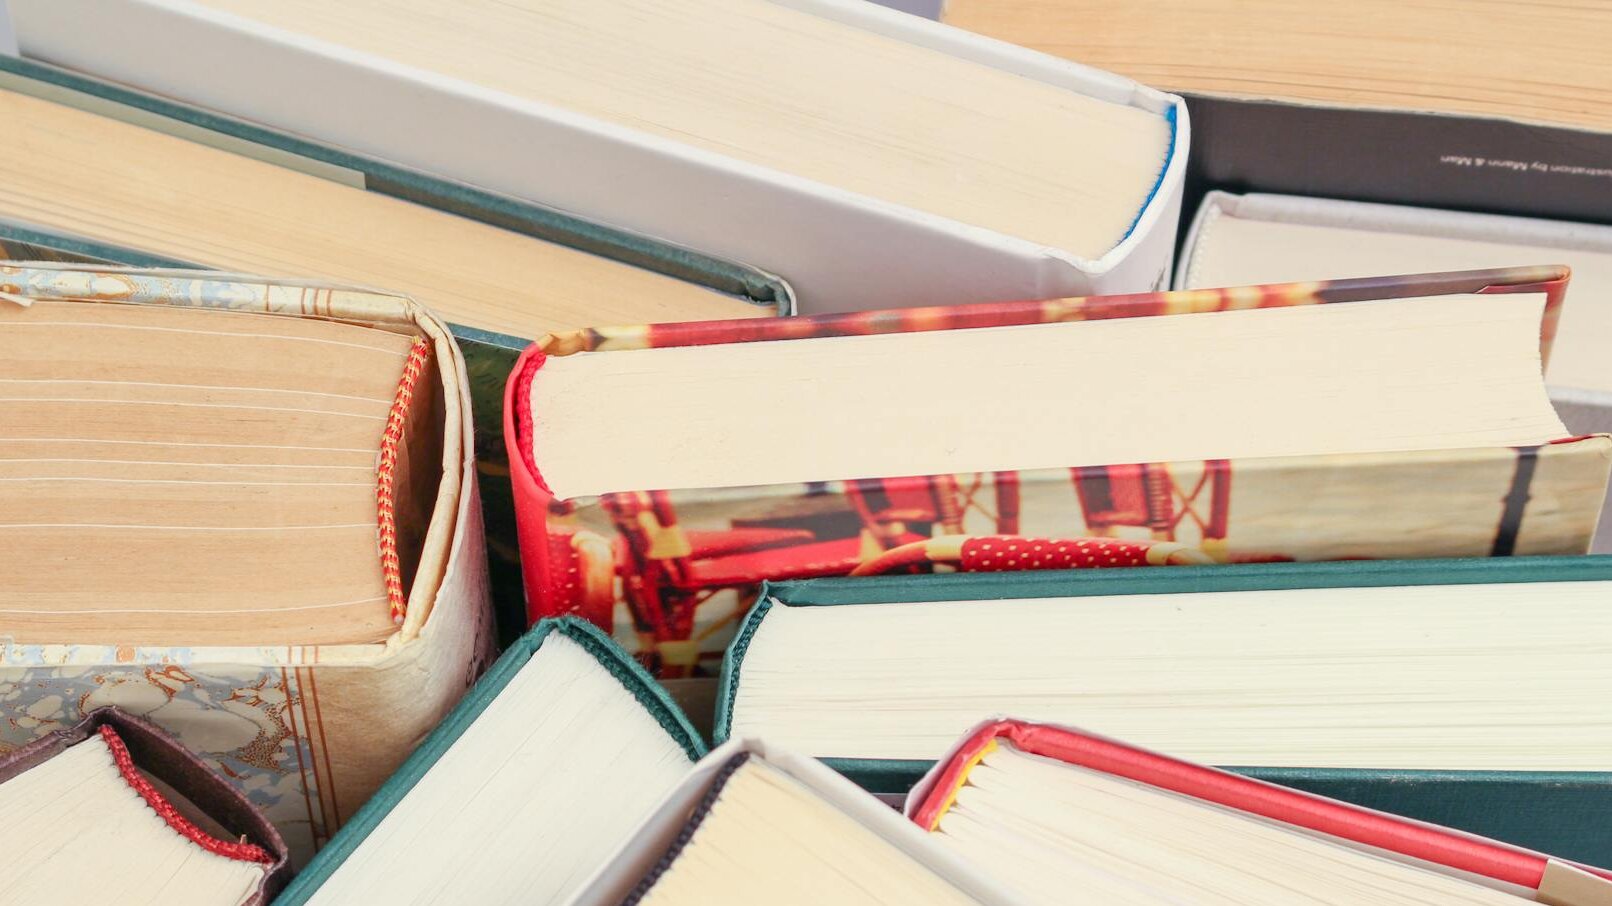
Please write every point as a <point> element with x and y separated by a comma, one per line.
<point>672,571</point>
<point>306,732</point>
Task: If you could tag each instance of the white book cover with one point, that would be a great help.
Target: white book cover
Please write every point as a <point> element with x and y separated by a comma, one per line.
<point>840,249</point>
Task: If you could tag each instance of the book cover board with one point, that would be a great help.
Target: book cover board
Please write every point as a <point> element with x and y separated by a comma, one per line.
<point>1461,162</point>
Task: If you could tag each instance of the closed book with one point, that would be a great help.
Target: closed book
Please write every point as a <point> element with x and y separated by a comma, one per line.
<point>1060,812</point>
<point>754,823</point>
<point>1262,238</point>
<point>871,159</point>
<point>244,509</point>
<point>1464,693</point>
<point>112,799</point>
<point>530,784</point>
<point>661,473</point>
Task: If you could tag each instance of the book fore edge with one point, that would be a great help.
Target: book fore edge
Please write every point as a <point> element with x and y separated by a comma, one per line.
<point>633,678</point>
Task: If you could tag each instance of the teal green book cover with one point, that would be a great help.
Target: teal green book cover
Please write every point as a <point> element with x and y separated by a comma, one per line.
<point>633,678</point>
<point>1560,812</point>
<point>488,355</point>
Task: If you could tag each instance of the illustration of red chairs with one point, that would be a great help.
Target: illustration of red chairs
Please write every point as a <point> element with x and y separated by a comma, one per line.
<point>891,508</point>
<point>1147,496</point>
<point>1143,495</point>
<point>668,571</point>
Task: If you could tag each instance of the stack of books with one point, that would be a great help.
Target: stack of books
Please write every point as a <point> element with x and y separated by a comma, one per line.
<point>789,451</point>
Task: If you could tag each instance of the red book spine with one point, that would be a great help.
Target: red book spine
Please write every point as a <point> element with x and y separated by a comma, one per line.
<point>532,496</point>
<point>1415,839</point>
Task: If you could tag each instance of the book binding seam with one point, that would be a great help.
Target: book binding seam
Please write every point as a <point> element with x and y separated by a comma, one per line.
<point>385,478</point>
<point>239,851</point>
<point>523,414</point>
<point>635,679</point>
<point>685,836</point>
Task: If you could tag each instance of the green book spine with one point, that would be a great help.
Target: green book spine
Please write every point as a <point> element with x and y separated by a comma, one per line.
<point>618,662</point>
<point>20,243</point>
<point>1562,813</point>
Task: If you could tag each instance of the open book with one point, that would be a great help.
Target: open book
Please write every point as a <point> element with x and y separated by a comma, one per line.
<point>112,802</point>
<point>756,824</point>
<point>1065,816</point>
<point>523,791</point>
<point>1390,417</point>
<point>238,505</point>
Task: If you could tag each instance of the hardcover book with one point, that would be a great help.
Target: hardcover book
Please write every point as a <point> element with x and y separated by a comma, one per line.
<point>752,823</point>
<point>1058,812</point>
<point>244,509</point>
<point>1262,238</point>
<point>113,800</point>
<point>523,791</point>
<point>871,159</point>
<point>662,473</point>
<point>1464,693</point>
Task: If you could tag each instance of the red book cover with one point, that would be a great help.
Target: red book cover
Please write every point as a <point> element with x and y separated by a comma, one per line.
<point>1427,844</point>
<point>671,572</point>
